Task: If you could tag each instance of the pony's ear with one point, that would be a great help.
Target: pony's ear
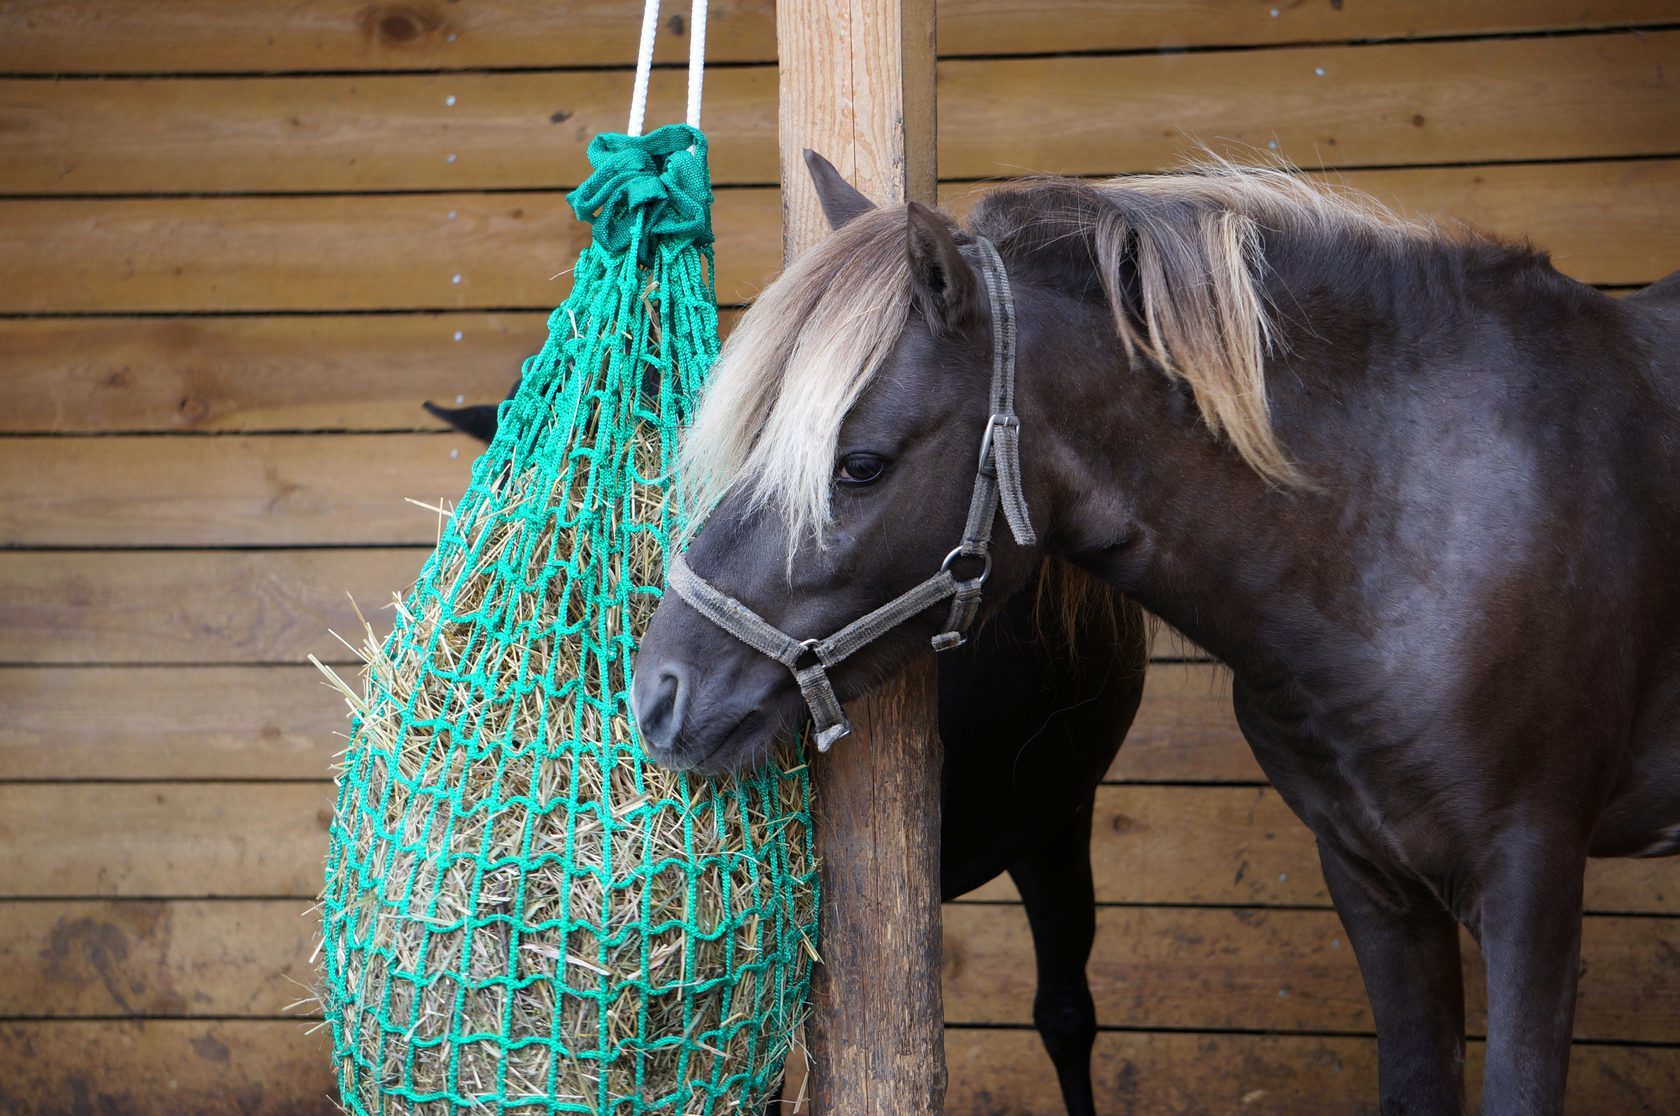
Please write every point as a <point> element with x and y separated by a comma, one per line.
<point>477,421</point>
<point>840,199</point>
<point>940,279</point>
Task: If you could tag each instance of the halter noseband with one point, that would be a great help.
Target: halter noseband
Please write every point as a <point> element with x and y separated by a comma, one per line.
<point>997,483</point>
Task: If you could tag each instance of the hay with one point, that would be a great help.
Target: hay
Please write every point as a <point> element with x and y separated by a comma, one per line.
<point>521,915</point>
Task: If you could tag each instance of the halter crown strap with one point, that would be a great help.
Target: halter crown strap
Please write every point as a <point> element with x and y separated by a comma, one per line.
<point>1000,449</point>
<point>997,484</point>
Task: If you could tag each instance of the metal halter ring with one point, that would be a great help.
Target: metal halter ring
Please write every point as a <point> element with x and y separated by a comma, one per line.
<point>985,557</point>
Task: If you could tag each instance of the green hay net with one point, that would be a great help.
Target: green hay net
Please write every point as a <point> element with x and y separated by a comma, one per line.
<point>521,914</point>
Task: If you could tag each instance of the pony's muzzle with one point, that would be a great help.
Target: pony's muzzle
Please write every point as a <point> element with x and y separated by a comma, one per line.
<point>660,703</point>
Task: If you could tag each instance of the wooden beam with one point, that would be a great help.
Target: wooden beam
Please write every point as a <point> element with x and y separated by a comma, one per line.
<point>857,85</point>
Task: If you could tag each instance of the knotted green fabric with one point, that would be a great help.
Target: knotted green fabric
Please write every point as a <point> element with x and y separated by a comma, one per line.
<point>652,188</point>
<point>521,914</point>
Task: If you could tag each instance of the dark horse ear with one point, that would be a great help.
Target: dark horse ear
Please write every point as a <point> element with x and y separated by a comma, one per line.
<point>940,279</point>
<point>840,199</point>
<point>479,420</point>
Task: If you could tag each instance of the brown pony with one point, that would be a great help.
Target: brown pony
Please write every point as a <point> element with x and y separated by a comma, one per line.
<point>1417,489</point>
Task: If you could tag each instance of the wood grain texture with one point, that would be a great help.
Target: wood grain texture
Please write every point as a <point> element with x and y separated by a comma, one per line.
<point>279,722</point>
<point>317,134</point>
<point>1283,970</point>
<point>1184,730</point>
<point>278,490</point>
<point>238,722</point>
<point>382,253</point>
<point>1003,1071</point>
<point>278,1068</point>
<point>1571,97</point>
<point>227,958</point>
<point>222,375</point>
<point>1207,846</point>
<point>325,373</point>
<point>1231,845</point>
<point>1332,106</point>
<point>190,606</point>
<point>178,840</point>
<point>327,253</point>
<point>169,1067</point>
<point>182,36</point>
<point>857,84</point>
<point>1152,968</point>
<point>1601,222</point>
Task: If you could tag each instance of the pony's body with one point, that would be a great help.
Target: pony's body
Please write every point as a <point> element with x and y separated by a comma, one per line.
<point>1032,713</point>
<point>1416,489</point>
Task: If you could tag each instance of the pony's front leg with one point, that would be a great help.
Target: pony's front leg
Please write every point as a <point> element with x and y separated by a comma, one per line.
<point>1408,955</point>
<point>1060,899</point>
<point>1531,941</point>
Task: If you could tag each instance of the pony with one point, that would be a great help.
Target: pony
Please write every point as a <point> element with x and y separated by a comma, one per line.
<point>1415,488</point>
<point>1032,712</point>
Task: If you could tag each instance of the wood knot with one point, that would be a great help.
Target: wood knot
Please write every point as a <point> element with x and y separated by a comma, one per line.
<point>118,378</point>
<point>1121,823</point>
<point>401,25</point>
<point>191,410</point>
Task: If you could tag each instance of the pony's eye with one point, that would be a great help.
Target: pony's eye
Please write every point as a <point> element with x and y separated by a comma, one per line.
<point>860,468</point>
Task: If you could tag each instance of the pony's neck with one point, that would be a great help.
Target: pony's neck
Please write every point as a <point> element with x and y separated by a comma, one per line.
<point>1149,499</point>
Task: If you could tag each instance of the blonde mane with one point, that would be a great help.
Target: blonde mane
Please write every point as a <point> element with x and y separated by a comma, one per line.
<point>1192,243</point>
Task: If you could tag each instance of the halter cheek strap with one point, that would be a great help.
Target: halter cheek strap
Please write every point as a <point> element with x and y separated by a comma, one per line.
<point>997,486</point>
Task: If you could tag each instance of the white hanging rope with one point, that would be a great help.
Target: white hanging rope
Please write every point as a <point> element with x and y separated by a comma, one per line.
<point>644,67</point>
<point>644,63</point>
<point>696,59</point>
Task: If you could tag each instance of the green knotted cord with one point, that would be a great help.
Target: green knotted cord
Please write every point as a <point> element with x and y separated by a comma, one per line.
<point>625,359</point>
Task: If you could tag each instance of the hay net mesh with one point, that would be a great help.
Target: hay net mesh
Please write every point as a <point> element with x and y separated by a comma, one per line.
<point>521,914</point>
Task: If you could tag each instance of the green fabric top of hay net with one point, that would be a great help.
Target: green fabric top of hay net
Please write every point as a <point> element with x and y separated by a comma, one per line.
<point>521,914</point>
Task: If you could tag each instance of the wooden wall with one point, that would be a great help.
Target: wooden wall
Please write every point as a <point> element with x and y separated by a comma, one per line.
<point>239,243</point>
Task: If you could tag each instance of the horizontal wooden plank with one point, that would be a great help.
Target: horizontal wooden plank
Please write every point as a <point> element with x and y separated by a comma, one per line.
<point>1154,967</point>
<point>1217,845</point>
<point>1184,730</point>
<point>1563,98</point>
<point>331,372</point>
<point>1602,223</point>
<point>180,36</point>
<point>210,1068</point>
<point>437,132</point>
<point>193,606</point>
<point>1154,845</point>
<point>167,1068</point>
<point>334,372</point>
<point>442,251</point>
<point>146,958</point>
<point>1554,98</point>
<point>336,253</point>
<point>1261,1075</point>
<point>238,722</point>
<point>164,839</point>
<point>279,490</point>
<point>278,722</point>
<point>1199,969</point>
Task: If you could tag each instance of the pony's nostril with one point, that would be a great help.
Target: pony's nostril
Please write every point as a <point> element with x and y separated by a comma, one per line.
<point>660,703</point>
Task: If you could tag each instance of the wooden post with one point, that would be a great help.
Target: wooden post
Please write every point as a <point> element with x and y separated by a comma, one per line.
<point>857,87</point>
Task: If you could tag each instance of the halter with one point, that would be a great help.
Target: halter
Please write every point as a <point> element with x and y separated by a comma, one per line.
<point>997,482</point>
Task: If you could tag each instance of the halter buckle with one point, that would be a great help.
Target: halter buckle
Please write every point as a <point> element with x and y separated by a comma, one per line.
<point>988,466</point>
